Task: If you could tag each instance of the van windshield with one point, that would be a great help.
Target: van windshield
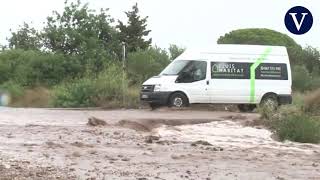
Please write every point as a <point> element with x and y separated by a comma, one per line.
<point>175,67</point>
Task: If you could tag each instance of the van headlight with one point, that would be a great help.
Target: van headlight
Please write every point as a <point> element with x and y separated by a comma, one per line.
<point>157,87</point>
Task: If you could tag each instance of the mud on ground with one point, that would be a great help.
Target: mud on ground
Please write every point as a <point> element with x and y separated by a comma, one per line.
<point>144,144</point>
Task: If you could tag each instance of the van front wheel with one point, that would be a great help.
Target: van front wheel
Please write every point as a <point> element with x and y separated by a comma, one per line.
<point>178,100</point>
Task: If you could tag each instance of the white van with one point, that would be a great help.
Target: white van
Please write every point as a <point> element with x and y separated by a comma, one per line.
<point>246,75</point>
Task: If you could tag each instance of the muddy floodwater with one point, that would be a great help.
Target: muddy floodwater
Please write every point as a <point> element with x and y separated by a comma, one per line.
<point>144,144</point>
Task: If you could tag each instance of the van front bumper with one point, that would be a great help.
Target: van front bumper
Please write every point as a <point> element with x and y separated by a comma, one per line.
<point>160,98</point>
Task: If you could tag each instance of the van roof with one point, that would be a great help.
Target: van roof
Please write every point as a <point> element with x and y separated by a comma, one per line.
<point>234,49</point>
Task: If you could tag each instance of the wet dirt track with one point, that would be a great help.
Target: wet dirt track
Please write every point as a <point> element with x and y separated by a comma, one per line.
<point>144,144</point>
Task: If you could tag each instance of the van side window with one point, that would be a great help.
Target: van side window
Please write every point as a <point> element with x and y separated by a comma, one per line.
<point>230,70</point>
<point>272,71</point>
<point>241,70</point>
<point>193,71</point>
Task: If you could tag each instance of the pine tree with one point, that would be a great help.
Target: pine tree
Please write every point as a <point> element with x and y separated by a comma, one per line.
<point>134,32</point>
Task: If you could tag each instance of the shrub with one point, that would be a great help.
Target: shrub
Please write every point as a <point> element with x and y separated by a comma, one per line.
<point>13,88</point>
<point>300,78</point>
<point>315,83</point>
<point>300,128</point>
<point>133,97</point>
<point>105,90</point>
<point>10,92</point>
<point>144,64</point>
<point>312,102</point>
<point>75,94</point>
<point>265,112</point>
<point>270,117</point>
<point>35,97</point>
<point>31,68</point>
<point>109,85</point>
<point>175,51</point>
<point>51,69</point>
<point>293,122</point>
<point>298,100</point>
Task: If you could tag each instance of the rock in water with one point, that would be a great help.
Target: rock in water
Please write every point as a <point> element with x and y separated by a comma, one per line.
<point>151,139</point>
<point>93,121</point>
<point>201,142</point>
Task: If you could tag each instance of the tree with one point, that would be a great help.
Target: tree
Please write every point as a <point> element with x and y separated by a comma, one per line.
<point>151,60</point>
<point>301,78</point>
<point>83,33</point>
<point>175,51</point>
<point>257,36</point>
<point>3,47</point>
<point>26,38</point>
<point>79,30</point>
<point>134,32</point>
<point>312,59</point>
<point>305,62</point>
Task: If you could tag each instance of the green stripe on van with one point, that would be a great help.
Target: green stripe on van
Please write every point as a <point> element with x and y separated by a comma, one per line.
<point>253,68</point>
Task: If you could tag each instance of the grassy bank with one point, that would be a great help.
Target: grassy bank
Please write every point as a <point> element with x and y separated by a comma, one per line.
<point>298,122</point>
<point>104,90</point>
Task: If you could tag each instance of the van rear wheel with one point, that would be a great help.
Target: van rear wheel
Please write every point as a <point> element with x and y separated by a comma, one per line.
<point>246,107</point>
<point>178,100</point>
<point>270,102</point>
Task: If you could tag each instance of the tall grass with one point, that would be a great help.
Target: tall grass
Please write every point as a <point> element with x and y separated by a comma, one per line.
<point>312,103</point>
<point>105,90</point>
<point>298,122</point>
<point>10,92</point>
<point>300,128</point>
<point>35,97</point>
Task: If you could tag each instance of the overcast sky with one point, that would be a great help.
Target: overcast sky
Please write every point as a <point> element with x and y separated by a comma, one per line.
<point>188,23</point>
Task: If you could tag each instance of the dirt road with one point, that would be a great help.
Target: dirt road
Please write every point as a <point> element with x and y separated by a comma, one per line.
<point>144,144</point>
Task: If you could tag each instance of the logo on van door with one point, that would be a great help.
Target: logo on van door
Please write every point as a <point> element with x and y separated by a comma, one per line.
<point>241,70</point>
<point>298,20</point>
<point>229,70</point>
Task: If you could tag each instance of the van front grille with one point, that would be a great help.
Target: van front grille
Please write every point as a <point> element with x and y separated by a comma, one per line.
<point>147,88</point>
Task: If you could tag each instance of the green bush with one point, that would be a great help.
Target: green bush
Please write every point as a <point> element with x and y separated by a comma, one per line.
<point>109,85</point>
<point>283,112</point>
<point>300,78</point>
<point>12,88</point>
<point>75,94</point>
<point>32,68</point>
<point>51,69</point>
<point>298,100</point>
<point>35,97</point>
<point>265,112</point>
<point>312,102</point>
<point>299,128</point>
<point>104,90</point>
<point>289,110</point>
<point>315,83</point>
<point>144,64</point>
<point>132,97</point>
<point>295,122</point>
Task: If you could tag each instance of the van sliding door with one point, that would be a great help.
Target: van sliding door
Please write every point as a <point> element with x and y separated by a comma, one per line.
<point>229,82</point>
